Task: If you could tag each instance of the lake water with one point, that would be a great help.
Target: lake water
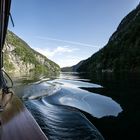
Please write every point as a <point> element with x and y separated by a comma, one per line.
<point>77,106</point>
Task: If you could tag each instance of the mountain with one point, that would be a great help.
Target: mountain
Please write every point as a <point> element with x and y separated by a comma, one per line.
<point>122,52</point>
<point>21,59</point>
<point>72,68</point>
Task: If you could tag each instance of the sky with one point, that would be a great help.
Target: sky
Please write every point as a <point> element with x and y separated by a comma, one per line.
<point>68,31</point>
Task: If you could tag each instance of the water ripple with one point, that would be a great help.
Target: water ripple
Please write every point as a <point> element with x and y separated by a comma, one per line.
<point>61,123</point>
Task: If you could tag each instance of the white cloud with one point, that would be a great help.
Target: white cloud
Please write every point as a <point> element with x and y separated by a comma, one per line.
<point>62,55</point>
<point>66,55</point>
<point>50,53</point>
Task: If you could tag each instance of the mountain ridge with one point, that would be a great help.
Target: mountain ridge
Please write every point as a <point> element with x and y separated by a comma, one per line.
<point>20,58</point>
<point>72,68</point>
<point>121,54</point>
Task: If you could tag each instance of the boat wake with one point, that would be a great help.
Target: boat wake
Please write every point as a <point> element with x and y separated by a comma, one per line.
<point>56,107</point>
<point>61,123</point>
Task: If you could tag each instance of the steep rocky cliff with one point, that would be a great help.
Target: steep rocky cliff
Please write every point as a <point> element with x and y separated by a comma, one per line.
<point>122,52</point>
<point>21,59</point>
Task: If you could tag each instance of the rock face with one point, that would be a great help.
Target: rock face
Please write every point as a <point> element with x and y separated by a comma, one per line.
<point>20,59</point>
<point>122,52</point>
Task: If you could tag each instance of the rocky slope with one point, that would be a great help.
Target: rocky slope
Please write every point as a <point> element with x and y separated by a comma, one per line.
<point>21,59</point>
<point>122,52</point>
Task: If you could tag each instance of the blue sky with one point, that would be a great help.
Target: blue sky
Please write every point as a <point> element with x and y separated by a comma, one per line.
<point>67,31</point>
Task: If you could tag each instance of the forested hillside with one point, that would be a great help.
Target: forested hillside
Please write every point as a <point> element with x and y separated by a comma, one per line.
<point>20,58</point>
<point>122,52</point>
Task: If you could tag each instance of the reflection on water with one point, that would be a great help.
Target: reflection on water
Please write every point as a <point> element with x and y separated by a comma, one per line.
<point>94,104</point>
<point>67,91</point>
<point>57,104</point>
<point>125,89</point>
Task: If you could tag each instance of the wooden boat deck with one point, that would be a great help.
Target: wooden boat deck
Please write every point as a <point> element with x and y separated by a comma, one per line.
<point>16,122</point>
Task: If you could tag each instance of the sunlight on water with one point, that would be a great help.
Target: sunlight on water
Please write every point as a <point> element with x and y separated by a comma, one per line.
<point>55,102</point>
<point>94,104</point>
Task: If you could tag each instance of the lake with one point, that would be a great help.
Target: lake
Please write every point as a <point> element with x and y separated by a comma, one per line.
<point>83,106</point>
